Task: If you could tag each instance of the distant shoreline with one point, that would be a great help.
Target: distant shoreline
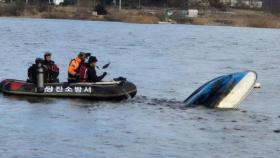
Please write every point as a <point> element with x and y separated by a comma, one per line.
<point>231,17</point>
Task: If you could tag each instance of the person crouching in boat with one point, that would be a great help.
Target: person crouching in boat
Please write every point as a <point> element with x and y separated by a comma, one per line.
<point>83,69</point>
<point>91,72</point>
<point>74,66</point>
<point>32,71</point>
<point>51,70</point>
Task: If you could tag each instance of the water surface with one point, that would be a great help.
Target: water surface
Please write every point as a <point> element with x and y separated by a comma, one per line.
<point>167,63</point>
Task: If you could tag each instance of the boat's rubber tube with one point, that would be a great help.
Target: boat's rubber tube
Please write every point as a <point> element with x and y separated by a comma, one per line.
<point>115,90</point>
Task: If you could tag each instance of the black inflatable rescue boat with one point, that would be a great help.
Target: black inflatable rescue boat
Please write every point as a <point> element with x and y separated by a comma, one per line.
<point>112,90</point>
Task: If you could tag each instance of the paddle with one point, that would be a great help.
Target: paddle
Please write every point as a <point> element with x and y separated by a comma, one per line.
<point>104,66</point>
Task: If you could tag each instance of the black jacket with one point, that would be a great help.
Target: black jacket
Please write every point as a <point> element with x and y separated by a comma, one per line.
<point>92,77</point>
<point>32,74</point>
<point>51,71</point>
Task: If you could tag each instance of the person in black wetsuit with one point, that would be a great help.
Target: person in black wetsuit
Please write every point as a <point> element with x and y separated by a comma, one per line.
<point>32,71</point>
<point>91,73</point>
<point>51,70</point>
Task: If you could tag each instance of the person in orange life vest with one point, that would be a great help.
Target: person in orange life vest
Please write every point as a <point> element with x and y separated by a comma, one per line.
<point>74,65</point>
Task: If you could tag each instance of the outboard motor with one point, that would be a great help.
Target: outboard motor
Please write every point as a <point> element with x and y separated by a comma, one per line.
<point>40,78</point>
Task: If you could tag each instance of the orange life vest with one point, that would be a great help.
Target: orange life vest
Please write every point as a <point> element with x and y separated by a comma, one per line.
<point>74,66</point>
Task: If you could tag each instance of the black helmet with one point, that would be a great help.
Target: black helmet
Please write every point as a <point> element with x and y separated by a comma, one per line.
<point>81,54</point>
<point>87,54</point>
<point>38,60</point>
<point>92,59</point>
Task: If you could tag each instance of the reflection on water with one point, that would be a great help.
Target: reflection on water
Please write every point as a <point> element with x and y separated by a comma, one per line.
<point>29,99</point>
